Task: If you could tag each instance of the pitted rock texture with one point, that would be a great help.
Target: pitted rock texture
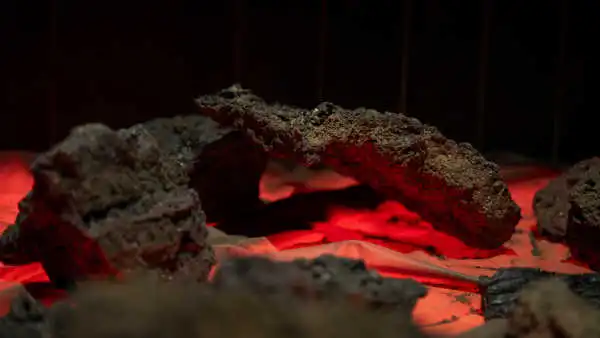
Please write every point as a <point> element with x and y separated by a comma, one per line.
<point>449,184</point>
<point>106,202</point>
<point>568,209</point>
<point>224,166</point>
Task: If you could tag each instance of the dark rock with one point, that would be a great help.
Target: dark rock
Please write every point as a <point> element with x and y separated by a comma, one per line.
<point>128,191</point>
<point>449,184</point>
<point>224,166</point>
<point>249,297</point>
<point>106,202</point>
<point>568,209</point>
<point>26,319</point>
<point>144,308</point>
<point>500,292</point>
<point>550,309</point>
<point>326,277</point>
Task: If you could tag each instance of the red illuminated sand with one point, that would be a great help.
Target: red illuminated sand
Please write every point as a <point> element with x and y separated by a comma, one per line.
<point>391,239</point>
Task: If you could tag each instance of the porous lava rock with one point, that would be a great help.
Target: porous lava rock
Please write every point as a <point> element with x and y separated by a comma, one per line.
<point>326,277</point>
<point>568,209</point>
<point>105,202</point>
<point>224,166</point>
<point>448,183</point>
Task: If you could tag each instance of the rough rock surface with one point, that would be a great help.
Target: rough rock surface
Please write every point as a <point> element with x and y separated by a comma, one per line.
<point>26,318</point>
<point>568,209</point>
<point>325,277</point>
<point>224,166</point>
<point>450,184</point>
<point>500,293</point>
<point>106,202</point>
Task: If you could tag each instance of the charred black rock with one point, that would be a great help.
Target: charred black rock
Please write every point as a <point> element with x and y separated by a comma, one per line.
<point>26,319</point>
<point>501,291</point>
<point>450,184</point>
<point>568,209</point>
<point>325,277</point>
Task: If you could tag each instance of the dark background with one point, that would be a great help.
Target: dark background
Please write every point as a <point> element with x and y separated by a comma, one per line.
<point>503,74</point>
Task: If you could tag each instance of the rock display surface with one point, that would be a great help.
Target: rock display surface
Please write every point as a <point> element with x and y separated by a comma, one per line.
<point>448,183</point>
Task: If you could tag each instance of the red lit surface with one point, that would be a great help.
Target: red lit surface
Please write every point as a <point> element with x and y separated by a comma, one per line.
<point>400,248</point>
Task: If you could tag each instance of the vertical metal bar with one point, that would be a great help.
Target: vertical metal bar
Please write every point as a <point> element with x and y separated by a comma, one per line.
<point>406,33</point>
<point>322,50</point>
<point>238,41</point>
<point>486,14</point>
<point>560,79</point>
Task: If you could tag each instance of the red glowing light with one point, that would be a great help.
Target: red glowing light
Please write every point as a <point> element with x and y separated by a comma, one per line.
<point>391,239</point>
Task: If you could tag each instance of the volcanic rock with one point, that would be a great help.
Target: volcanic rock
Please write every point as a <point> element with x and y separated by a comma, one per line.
<point>224,166</point>
<point>545,308</point>
<point>326,277</point>
<point>568,209</point>
<point>106,202</point>
<point>500,293</point>
<point>26,318</point>
<point>449,184</point>
<point>496,328</point>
